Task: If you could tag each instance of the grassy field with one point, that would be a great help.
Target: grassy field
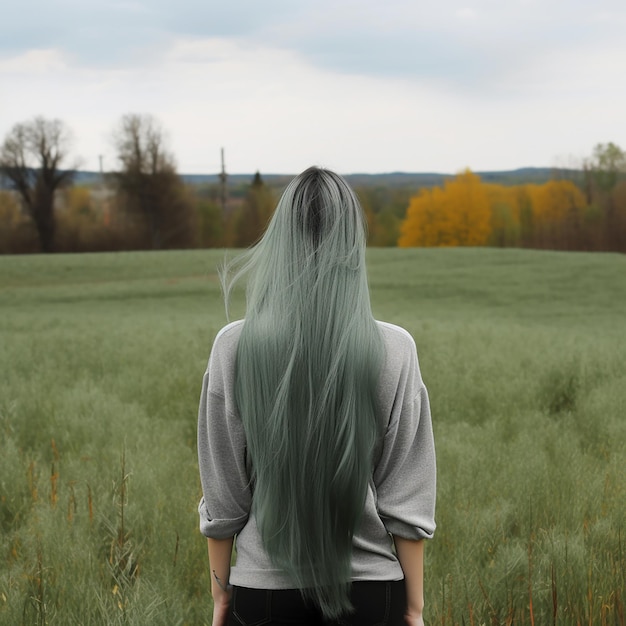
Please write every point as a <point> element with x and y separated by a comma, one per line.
<point>102,358</point>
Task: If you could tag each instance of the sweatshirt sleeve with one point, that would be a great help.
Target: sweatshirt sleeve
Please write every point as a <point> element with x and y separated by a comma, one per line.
<point>226,501</point>
<point>405,476</point>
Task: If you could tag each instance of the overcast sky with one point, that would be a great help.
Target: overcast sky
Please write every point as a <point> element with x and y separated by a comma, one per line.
<point>358,86</point>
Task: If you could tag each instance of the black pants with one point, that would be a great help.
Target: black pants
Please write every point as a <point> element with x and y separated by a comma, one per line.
<point>375,603</point>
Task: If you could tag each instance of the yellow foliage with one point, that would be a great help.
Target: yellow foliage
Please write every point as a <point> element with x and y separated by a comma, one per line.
<point>10,213</point>
<point>457,215</point>
<point>78,202</point>
<point>17,229</point>
<point>554,201</point>
<point>467,212</point>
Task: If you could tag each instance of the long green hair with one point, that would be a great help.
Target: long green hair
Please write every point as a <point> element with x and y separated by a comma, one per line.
<point>307,369</point>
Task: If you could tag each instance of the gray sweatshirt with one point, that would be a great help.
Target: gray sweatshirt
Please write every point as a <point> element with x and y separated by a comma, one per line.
<point>401,496</point>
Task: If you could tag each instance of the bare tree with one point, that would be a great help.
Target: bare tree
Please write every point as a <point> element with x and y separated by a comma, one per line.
<point>149,184</point>
<point>604,171</point>
<point>31,158</point>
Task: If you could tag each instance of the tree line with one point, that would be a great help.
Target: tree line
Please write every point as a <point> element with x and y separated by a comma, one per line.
<point>588,213</point>
<point>144,203</point>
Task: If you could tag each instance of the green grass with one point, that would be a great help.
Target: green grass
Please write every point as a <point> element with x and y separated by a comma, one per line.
<point>102,358</point>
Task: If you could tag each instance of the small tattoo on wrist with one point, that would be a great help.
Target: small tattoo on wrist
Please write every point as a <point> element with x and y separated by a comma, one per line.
<point>220,584</point>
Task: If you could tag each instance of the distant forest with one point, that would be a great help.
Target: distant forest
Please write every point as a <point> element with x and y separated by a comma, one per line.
<point>46,205</point>
<point>409,180</point>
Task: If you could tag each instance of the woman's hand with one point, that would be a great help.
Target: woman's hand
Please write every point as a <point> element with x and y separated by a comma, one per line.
<point>413,619</point>
<point>220,551</point>
<point>221,606</point>
<point>411,556</point>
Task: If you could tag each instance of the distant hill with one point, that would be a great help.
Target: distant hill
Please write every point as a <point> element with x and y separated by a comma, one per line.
<point>415,180</point>
<point>411,180</point>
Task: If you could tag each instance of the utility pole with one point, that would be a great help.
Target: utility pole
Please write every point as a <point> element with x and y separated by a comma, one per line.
<point>101,181</point>
<point>223,190</point>
<point>102,195</point>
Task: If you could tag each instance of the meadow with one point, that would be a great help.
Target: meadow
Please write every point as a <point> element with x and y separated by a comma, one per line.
<point>102,357</point>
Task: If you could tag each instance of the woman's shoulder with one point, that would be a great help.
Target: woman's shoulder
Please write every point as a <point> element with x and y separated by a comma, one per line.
<point>396,336</point>
<point>226,333</point>
<point>227,337</point>
<point>401,360</point>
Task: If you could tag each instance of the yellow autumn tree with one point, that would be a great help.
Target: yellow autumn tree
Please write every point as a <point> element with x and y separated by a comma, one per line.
<point>420,227</point>
<point>457,215</point>
<point>558,208</point>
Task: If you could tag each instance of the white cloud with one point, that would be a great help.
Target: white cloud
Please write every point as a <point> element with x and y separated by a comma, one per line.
<point>358,86</point>
<point>591,71</point>
<point>34,62</point>
<point>465,13</point>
